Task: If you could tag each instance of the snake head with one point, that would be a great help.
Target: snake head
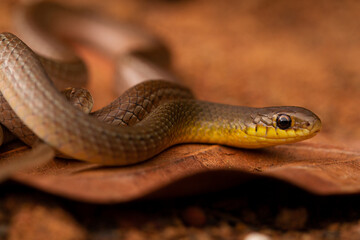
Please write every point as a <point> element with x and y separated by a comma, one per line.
<point>279,125</point>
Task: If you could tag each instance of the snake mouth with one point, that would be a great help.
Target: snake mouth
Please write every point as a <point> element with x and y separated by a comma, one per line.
<point>273,135</point>
<point>316,126</point>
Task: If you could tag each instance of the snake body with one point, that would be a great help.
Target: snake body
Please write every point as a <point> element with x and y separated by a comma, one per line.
<point>156,115</point>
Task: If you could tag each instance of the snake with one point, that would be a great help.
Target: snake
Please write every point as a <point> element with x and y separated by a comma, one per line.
<point>145,120</point>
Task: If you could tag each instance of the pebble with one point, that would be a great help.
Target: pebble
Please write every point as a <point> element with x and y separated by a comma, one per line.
<point>194,216</point>
<point>256,236</point>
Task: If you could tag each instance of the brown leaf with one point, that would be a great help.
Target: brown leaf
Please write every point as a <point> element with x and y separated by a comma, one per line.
<point>190,169</point>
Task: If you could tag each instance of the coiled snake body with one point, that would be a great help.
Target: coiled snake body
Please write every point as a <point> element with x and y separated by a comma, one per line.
<point>159,114</point>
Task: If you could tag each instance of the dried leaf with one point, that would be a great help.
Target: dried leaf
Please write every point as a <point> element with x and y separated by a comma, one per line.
<point>39,155</point>
<point>193,168</point>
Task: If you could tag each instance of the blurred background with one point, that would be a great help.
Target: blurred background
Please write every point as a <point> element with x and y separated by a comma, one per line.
<point>256,53</point>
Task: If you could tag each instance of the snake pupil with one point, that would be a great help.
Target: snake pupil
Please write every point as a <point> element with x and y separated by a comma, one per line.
<point>283,121</point>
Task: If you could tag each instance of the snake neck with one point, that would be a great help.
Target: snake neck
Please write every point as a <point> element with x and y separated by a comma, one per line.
<point>196,121</point>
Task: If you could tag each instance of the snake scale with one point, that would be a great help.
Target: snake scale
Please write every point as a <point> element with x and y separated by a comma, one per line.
<point>145,120</point>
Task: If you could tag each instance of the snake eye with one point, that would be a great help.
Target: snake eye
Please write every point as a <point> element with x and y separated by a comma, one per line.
<point>283,121</point>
